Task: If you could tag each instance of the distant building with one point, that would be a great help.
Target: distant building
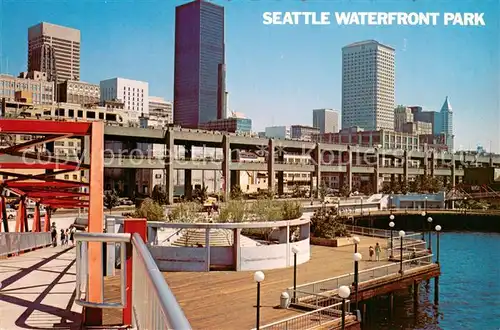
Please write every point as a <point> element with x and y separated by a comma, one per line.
<point>199,72</point>
<point>133,93</point>
<point>304,133</point>
<point>161,112</point>
<point>237,123</point>
<point>425,116</point>
<point>418,128</point>
<point>80,92</point>
<point>446,123</point>
<point>33,85</point>
<point>402,115</point>
<point>326,120</point>
<point>368,84</point>
<point>55,50</point>
<point>278,132</point>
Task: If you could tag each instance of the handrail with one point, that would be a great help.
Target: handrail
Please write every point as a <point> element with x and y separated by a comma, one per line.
<point>304,315</point>
<point>429,256</point>
<point>170,309</point>
<point>154,306</point>
<point>13,243</point>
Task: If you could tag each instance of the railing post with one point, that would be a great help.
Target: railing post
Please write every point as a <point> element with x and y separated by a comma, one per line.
<point>131,226</point>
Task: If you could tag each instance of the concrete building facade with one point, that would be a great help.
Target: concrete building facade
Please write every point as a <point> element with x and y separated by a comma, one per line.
<point>326,120</point>
<point>199,68</point>
<point>402,115</point>
<point>368,84</point>
<point>278,132</point>
<point>304,133</point>
<point>161,112</point>
<point>35,84</point>
<point>133,93</point>
<point>55,50</point>
<point>80,92</point>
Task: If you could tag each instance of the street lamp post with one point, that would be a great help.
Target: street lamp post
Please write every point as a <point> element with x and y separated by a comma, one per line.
<point>423,229</point>
<point>425,206</point>
<point>391,225</point>
<point>401,236</point>
<point>357,259</point>
<point>438,229</point>
<point>361,201</point>
<point>295,250</point>
<point>429,220</point>
<point>465,205</point>
<point>258,277</point>
<point>356,241</point>
<point>390,205</point>
<point>344,293</point>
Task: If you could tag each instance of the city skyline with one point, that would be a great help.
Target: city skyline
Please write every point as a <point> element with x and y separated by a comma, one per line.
<point>267,76</point>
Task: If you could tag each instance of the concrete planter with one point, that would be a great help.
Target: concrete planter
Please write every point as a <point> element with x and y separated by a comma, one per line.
<point>331,242</point>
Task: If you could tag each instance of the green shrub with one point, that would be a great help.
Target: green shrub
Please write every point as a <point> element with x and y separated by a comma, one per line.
<point>326,224</point>
<point>291,210</point>
<point>186,212</point>
<point>150,210</point>
<point>233,211</point>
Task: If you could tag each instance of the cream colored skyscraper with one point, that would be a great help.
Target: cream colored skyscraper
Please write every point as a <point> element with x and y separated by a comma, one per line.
<point>54,49</point>
<point>368,85</point>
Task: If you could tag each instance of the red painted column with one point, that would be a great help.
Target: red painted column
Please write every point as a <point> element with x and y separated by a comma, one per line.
<point>35,227</point>
<point>132,226</point>
<point>3,214</point>
<point>20,217</point>
<point>46,225</point>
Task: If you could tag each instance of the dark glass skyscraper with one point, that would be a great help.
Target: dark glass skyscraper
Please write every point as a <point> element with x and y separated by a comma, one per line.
<point>199,74</point>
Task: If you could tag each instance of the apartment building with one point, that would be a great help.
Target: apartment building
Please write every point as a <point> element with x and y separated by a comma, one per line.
<point>79,92</point>
<point>326,120</point>
<point>133,93</point>
<point>34,85</point>
<point>161,112</point>
<point>304,133</point>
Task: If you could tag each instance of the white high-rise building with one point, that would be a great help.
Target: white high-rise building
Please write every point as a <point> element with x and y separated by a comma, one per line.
<point>133,93</point>
<point>326,120</point>
<point>368,81</point>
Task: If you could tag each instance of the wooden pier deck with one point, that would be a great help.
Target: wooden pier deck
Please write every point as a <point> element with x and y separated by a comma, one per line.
<point>226,299</point>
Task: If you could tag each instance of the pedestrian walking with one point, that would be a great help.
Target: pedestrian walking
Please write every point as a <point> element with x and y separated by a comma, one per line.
<point>371,252</point>
<point>377,251</point>
<point>72,236</point>
<point>53,234</point>
<point>63,237</point>
<point>66,237</point>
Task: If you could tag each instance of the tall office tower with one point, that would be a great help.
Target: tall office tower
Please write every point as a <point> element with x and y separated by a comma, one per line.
<point>55,50</point>
<point>446,123</point>
<point>326,120</point>
<point>199,73</point>
<point>368,86</point>
<point>402,115</point>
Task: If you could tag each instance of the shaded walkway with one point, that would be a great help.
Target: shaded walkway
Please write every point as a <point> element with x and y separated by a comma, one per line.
<point>38,290</point>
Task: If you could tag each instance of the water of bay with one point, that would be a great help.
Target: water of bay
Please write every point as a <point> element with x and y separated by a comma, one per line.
<point>469,290</point>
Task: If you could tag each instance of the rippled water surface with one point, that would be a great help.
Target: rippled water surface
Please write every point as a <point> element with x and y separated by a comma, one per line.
<point>469,290</point>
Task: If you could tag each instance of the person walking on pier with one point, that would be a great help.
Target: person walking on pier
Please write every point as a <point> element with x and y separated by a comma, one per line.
<point>53,234</point>
<point>371,251</point>
<point>377,251</point>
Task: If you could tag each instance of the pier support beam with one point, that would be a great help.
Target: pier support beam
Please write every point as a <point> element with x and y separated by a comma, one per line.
<point>226,176</point>
<point>169,168</point>
<point>271,177</point>
<point>436,290</point>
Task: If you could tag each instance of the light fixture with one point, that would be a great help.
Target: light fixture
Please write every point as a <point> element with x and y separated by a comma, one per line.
<point>357,256</point>
<point>344,292</point>
<point>258,276</point>
<point>391,224</point>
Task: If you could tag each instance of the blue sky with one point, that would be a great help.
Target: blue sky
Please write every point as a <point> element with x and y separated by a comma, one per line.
<point>277,74</point>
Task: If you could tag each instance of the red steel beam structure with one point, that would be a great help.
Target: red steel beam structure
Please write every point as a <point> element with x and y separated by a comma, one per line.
<point>54,193</point>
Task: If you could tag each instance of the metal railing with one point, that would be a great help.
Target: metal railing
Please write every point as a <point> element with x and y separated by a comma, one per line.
<point>310,320</point>
<point>304,291</point>
<point>154,306</point>
<point>14,243</point>
<point>376,232</point>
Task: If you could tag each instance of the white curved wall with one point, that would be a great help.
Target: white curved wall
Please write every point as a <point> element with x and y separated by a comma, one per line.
<point>273,256</point>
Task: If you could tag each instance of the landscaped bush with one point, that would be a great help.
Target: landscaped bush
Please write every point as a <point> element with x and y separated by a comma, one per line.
<point>291,210</point>
<point>150,210</point>
<point>326,224</point>
<point>186,212</point>
<point>233,211</point>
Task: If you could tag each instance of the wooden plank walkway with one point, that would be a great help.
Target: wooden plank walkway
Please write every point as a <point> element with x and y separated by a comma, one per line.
<point>37,290</point>
<point>226,300</point>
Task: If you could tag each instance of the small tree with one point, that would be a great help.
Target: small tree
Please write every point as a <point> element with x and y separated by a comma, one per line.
<point>150,210</point>
<point>200,194</point>
<point>111,200</point>
<point>367,189</point>
<point>344,190</point>
<point>322,191</point>
<point>326,224</point>
<point>404,187</point>
<point>158,195</point>
<point>415,186</point>
<point>298,192</point>
<point>236,192</point>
